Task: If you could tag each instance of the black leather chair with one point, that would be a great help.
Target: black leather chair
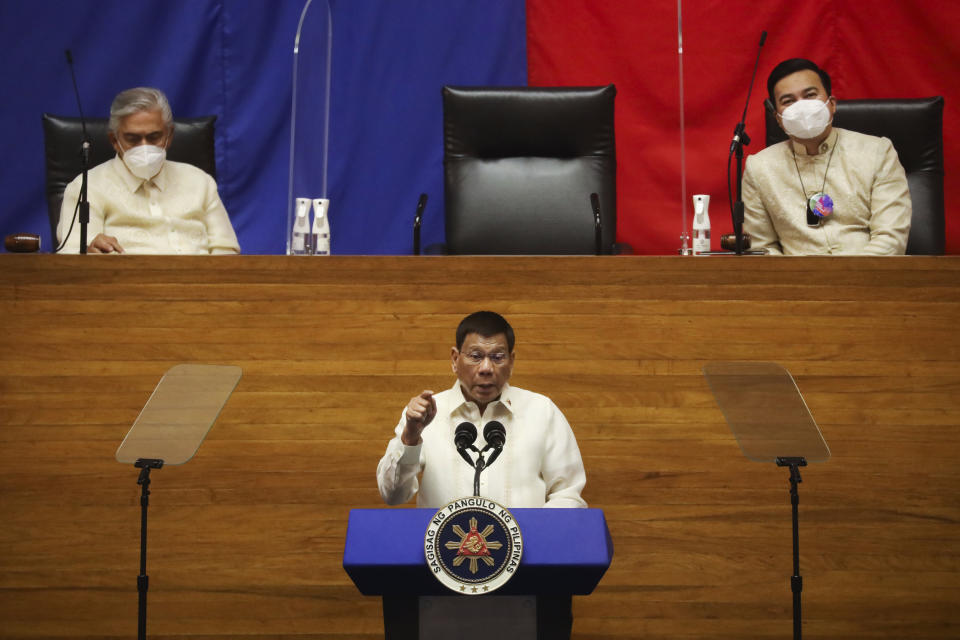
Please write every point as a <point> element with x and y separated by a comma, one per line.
<point>193,143</point>
<point>520,165</point>
<point>915,127</point>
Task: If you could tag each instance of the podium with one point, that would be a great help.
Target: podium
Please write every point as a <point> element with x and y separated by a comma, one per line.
<point>565,552</point>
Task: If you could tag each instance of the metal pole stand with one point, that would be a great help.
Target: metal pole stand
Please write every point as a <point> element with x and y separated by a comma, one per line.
<point>796,582</point>
<point>143,581</point>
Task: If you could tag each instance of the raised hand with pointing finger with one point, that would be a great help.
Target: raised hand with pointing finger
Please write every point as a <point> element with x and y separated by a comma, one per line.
<point>420,412</point>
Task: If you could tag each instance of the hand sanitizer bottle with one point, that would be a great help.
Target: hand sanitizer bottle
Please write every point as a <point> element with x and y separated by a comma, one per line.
<point>321,227</point>
<point>701,224</point>
<point>299,243</point>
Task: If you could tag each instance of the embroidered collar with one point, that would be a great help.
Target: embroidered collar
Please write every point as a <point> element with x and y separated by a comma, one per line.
<point>505,399</point>
<point>132,182</point>
<point>825,146</point>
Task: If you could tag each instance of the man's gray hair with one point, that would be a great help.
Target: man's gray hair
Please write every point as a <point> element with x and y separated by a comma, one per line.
<point>136,100</point>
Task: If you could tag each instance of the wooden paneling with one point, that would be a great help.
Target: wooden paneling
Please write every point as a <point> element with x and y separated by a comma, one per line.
<point>246,539</point>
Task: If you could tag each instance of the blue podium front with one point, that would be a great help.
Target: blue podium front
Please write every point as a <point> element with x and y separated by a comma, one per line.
<point>565,552</point>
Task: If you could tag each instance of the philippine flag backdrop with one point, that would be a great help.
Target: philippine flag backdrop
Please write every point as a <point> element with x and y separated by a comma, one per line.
<point>233,59</point>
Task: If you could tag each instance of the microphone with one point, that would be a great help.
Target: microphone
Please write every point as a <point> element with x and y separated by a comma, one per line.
<point>76,92</point>
<point>83,205</point>
<point>495,435</point>
<point>597,224</point>
<point>417,220</point>
<point>738,132</point>
<point>464,437</point>
<point>741,139</point>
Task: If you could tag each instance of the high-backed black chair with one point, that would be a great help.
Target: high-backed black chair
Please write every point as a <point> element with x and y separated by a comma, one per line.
<point>193,143</point>
<point>520,164</point>
<point>915,127</point>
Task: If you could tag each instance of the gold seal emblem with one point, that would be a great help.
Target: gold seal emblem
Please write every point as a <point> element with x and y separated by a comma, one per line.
<point>473,545</point>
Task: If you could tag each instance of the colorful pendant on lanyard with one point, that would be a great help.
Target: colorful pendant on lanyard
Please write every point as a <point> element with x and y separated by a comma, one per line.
<point>820,205</point>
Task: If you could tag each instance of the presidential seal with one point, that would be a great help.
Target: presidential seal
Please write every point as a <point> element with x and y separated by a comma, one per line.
<point>473,545</point>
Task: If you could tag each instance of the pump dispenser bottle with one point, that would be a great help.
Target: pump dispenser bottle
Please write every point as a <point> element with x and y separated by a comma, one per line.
<point>321,227</point>
<point>701,224</point>
<point>300,241</point>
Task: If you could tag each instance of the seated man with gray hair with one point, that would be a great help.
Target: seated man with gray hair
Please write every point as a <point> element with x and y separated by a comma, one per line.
<point>140,202</point>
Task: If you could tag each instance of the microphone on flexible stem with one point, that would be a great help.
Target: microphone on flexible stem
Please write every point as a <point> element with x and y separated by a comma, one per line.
<point>597,224</point>
<point>417,221</point>
<point>463,438</point>
<point>741,139</point>
<point>738,132</point>
<point>83,205</point>
<point>495,435</point>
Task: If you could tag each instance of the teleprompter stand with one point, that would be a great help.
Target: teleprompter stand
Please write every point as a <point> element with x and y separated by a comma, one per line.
<point>169,430</point>
<point>143,581</point>
<point>772,423</point>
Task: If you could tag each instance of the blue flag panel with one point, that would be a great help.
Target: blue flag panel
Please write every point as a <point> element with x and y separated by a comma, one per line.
<point>233,59</point>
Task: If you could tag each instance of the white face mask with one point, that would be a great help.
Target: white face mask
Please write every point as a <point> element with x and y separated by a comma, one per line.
<point>145,160</point>
<point>806,119</point>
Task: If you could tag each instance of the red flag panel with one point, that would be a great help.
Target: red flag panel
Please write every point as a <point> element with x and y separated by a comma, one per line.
<point>884,49</point>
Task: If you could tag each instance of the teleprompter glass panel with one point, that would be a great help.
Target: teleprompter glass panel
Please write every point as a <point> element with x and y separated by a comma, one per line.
<point>179,414</point>
<point>765,411</point>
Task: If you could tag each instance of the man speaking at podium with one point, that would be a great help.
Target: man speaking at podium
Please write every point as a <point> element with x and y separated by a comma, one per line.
<point>540,465</point>
<point>140,202</point>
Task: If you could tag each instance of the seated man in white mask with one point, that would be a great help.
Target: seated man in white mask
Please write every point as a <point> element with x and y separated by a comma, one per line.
<point>140,202</point>
<point>826,190</point>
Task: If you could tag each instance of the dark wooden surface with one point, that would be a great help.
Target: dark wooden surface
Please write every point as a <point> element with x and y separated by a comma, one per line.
<point>246,539</point>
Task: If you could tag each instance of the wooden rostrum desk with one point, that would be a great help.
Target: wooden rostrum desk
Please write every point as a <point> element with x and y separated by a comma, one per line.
<point>246,540</point>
